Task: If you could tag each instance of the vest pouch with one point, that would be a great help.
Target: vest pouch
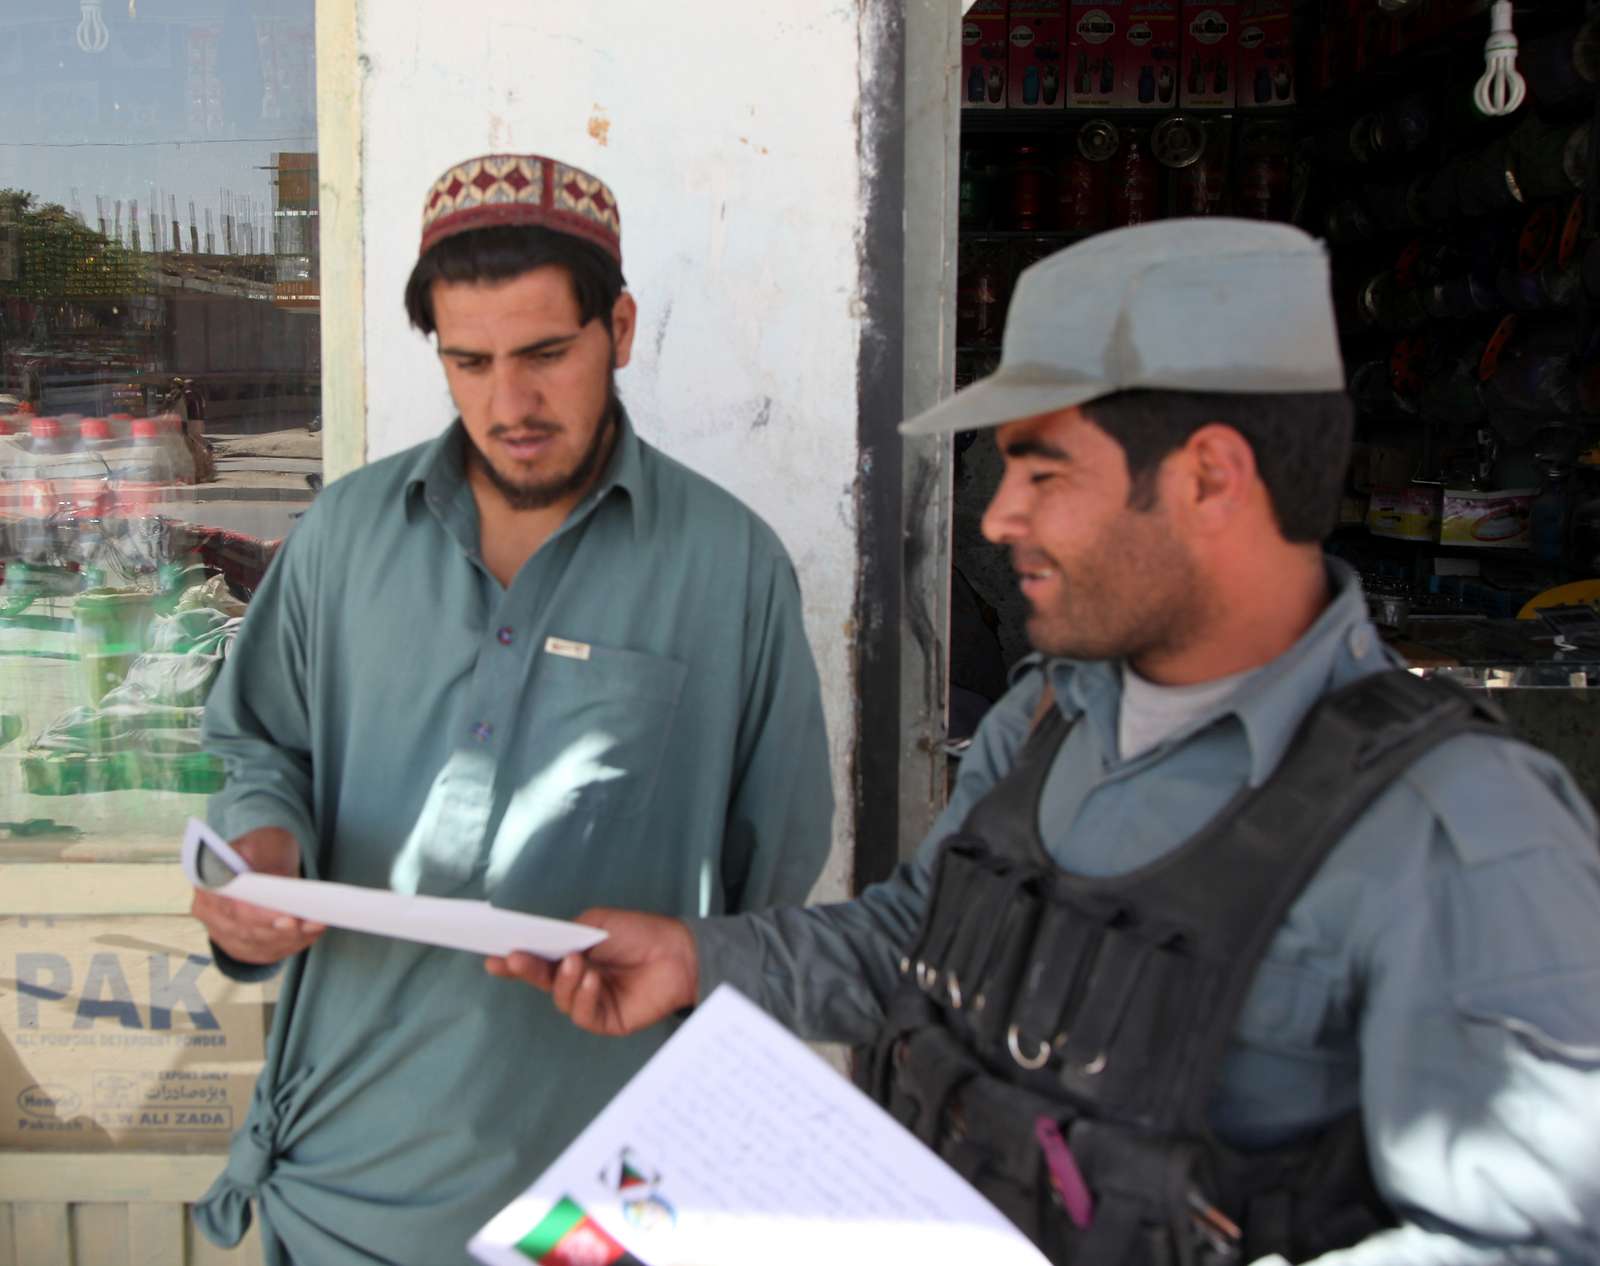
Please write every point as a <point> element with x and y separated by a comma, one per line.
<point>994,901</point>
<point>929,1066</point>
<point>908,1012</point>
<point>1152,1205</point>
<point>995,983</point>
<point>960,868</point>
<point>1058,966</point>
<point>1128,1046</point>
<point>991,1140</point>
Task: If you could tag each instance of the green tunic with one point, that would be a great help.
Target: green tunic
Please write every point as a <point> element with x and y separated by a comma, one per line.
<point>421,728</point>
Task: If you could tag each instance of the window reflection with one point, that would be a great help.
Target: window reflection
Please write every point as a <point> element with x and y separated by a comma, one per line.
<point>160,391</point>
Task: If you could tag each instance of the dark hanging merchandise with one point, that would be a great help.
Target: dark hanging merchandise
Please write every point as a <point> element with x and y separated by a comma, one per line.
<point>1465,254</point>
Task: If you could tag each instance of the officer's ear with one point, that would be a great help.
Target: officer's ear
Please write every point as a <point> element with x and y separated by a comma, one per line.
<point>1219,478</point>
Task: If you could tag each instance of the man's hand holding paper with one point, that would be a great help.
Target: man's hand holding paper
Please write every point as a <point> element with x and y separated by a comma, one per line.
<point>251,933</point>
<point>272,914</point>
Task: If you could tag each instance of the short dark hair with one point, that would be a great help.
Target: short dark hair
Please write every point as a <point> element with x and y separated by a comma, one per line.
<point>1301,442</point>
<point>507,251</point>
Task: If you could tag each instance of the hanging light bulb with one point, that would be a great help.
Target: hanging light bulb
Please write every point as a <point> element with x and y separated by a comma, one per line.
<point>133,10</point>
<point>92,34</point>
<point>1501,90</point>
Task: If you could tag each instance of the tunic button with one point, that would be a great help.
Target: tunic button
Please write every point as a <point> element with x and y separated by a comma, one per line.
<point>1360,641</point>
<point>505,635</point>
<point>482,731</point>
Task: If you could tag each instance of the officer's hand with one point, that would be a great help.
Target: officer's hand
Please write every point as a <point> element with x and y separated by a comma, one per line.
<point>645,969</point>
<point>249,933</point>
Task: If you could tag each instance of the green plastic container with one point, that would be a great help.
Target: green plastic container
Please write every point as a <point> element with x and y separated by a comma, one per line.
<point>112,628</point>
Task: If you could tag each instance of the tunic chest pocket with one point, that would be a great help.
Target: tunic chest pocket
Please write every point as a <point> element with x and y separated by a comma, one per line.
<point>1289,1008</point>
<point>600,726</point>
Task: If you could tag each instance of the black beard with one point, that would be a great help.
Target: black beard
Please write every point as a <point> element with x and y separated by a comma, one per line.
<point>544,495</point>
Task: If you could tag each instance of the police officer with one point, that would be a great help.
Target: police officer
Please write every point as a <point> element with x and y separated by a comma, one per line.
<point>1234,943</point>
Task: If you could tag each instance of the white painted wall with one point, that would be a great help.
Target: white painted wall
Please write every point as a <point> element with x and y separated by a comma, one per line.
<point>728,133</point>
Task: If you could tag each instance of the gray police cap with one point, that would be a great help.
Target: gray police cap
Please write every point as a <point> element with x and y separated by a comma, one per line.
<point>1182,305</point>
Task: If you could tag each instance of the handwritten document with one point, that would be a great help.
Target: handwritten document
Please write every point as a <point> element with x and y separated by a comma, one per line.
<point>475,926</point>
<point>737,1144</point>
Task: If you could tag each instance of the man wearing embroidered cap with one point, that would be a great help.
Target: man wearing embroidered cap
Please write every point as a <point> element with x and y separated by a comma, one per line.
<point>1235,943</point>
<point>533,661</point>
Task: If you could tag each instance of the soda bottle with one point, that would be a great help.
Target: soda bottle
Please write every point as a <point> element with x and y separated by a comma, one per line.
<point>97,449</point>
<point>145,475</point>
<point>13,452</point>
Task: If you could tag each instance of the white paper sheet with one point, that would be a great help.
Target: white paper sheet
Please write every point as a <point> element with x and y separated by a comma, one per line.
<point>475,926</point>
<point>736,1144</point>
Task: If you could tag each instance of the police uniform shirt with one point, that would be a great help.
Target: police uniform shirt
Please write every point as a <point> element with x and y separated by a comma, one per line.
<point>1441,971</point>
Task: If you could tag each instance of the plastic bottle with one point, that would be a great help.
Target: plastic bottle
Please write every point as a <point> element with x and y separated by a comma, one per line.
<point>71,428</point>
<point>47,451</point>
<point>145,476</point>
<point>34,496</point>
<point>96,436</point>
<point>96,459</point>
<point>13,448</point>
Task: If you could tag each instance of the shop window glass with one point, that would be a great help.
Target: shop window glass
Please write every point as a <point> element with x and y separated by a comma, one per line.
<point>160,432</point>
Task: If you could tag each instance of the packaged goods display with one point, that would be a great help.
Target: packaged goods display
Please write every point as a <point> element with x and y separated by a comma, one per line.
<point>1266,55</point>
<point>1464,250</point>
<point>985,55</point>
<point>1037,62</point>
<point>1148,65</point>
<point>1096,35</point>
<point>1210,44</point>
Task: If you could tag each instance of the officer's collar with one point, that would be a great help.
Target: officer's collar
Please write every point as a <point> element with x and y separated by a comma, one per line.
<point>1340,646</point>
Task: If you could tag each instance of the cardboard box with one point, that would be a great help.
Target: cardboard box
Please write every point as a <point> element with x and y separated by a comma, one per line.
<point>1152,51</point>
<point>1488,520</point>
<point>1094,46</point>
<point>1210,43</point>
<point>1037,66</point>
<point>1266,64</point>
<point>984,56</point>
<point>120,1034</point>
<point>1409,513</point>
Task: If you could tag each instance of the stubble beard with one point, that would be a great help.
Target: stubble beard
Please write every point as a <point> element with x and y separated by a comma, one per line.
<point>1135,599</point>
<point>541,494</point>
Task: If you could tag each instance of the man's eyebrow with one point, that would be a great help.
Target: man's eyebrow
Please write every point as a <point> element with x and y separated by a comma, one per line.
<point>1019,449</point>
<point>542,345</point>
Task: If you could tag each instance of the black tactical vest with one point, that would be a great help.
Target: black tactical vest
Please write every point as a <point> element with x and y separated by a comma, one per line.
<point>1057,1039</point>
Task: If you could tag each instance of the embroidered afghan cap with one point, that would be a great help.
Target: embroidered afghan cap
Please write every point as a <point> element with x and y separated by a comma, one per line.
<point>522,189</point>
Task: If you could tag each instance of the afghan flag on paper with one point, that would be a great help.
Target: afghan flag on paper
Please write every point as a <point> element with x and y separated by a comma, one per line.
<point>567,1236</point>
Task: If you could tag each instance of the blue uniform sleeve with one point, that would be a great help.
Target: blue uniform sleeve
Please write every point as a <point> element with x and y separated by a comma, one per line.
<point>827,971</point>
<point>1480,1037</point>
